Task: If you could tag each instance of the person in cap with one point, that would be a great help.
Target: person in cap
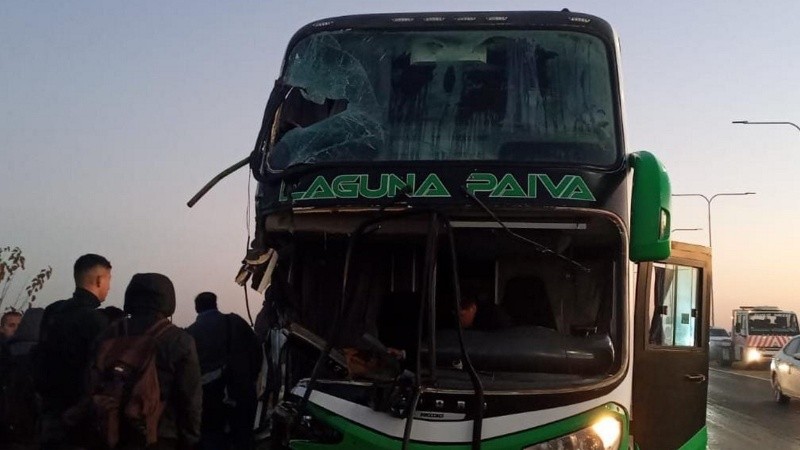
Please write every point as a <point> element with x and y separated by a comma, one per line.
<point>230,361</point>
<point>68,331</point>
<point>150,298</point>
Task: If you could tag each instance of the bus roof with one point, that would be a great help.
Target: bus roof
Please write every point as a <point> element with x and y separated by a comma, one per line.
<point>563,19</point>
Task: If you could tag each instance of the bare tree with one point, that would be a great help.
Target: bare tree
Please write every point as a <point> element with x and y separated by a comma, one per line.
<point>12,263</point>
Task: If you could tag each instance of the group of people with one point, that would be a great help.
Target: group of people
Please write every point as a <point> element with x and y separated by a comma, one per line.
<point>78,376</point>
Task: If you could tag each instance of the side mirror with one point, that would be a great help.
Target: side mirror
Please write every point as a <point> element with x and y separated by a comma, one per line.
<point>650,209</point>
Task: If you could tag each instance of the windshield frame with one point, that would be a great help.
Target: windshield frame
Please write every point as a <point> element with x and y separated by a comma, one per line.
<point>603,33</point>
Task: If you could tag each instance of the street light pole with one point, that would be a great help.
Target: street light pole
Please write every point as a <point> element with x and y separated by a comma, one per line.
<point>708,204</point>
<point>708,215</point>
<point>747,122</point>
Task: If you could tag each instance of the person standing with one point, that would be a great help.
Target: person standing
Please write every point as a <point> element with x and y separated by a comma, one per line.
<point>19,400</point>
<point>230,361</point>
<point>68,330</point>
<point>9,323</point>
<point>150,302</point>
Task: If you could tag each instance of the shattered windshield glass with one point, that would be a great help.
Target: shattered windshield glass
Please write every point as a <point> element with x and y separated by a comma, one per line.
<point>538,96</point>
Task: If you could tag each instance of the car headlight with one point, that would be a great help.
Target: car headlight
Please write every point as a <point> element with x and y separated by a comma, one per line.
<point>753,355</point>
<point>605,434</point>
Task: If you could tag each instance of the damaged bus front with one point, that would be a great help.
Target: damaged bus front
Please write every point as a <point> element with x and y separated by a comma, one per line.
<point>449,230</point>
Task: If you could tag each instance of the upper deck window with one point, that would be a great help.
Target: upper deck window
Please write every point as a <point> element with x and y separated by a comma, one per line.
<point>503,95</point>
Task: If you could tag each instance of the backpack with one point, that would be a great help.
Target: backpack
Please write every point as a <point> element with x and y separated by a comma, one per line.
<point>124,389</point>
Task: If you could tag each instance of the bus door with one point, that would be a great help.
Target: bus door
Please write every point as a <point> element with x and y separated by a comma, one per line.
<point>670,350</point>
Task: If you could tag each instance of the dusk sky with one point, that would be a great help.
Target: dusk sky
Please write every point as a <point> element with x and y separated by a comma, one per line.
<point>113,114</point>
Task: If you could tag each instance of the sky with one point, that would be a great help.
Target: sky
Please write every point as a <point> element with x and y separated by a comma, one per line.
<point>113,114</point>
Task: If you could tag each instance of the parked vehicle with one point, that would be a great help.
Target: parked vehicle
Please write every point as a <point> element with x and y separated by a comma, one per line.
<point>760,331</point>
<point>785,372</point>
<point>720,346</point>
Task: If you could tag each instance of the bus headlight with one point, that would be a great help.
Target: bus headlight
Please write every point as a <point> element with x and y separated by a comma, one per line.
<point>753,355</point>
<point>605,434</point>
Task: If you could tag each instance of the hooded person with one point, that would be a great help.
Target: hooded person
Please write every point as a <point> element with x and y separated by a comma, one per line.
<point>150,300</point>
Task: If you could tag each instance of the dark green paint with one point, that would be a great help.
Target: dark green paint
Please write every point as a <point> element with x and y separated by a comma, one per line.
<point>698,442</point>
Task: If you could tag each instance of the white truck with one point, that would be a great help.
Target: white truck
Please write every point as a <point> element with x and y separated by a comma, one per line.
<point>760,331</point>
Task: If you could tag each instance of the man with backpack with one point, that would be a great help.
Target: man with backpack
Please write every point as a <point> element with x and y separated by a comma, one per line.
<point>145,389</point>
<point>230,361</point>
<point>68,331</point>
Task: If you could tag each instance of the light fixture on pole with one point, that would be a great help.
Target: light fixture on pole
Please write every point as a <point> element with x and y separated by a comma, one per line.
<point>708,204</point>
<point>685,229</point>
<point>747,122</point>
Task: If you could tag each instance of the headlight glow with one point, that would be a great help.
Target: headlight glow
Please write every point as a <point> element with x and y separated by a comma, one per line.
<point>753,355</point>
<point>609,431</point>
<point>605,434</point>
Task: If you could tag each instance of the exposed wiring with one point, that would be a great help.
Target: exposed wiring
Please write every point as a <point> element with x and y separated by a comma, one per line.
<point>477,420</point>
<point>247,304</point>
<point>427,287</point>
<point>542,248</point>
<point>247,211</point>
<point>340,312</point>
<point>247,246</point>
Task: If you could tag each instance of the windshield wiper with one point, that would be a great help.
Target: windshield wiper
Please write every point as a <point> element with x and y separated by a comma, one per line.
<point>540,247</point>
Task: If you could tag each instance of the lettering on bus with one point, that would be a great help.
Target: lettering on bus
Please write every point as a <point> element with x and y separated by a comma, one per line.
<point>388,185</point>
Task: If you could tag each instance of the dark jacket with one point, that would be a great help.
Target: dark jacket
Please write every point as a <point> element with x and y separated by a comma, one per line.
<point>20,412</point>
<point>68,331</point>
<point>27,335</point>
<point>151,297</point>
<point>226,339</point>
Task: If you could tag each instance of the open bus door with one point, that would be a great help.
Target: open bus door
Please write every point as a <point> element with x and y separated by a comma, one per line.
<point>670,350</point>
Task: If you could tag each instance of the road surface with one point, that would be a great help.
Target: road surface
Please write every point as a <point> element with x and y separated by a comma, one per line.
<point>743,415</point>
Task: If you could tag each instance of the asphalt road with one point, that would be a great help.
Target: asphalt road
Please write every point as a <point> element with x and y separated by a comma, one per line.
<point>742,414</point>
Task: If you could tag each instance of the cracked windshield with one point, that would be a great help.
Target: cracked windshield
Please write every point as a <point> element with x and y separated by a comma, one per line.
<point>532,96</point>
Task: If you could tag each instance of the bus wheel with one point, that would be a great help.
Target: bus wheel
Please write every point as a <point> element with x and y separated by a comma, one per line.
<point>779,397</point>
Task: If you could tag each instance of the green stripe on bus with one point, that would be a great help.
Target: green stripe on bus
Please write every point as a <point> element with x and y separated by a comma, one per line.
<point>358,437</point>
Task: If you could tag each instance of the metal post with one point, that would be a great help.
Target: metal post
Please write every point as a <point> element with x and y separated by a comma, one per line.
<point>708,215</point>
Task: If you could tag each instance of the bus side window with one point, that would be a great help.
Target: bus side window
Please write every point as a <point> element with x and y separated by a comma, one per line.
<point>675,306</point>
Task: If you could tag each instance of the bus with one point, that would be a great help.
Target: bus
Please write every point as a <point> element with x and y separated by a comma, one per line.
<point>457,249</point>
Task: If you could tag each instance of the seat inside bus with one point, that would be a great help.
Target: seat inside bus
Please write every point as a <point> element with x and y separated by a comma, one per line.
<point>527,302</point>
